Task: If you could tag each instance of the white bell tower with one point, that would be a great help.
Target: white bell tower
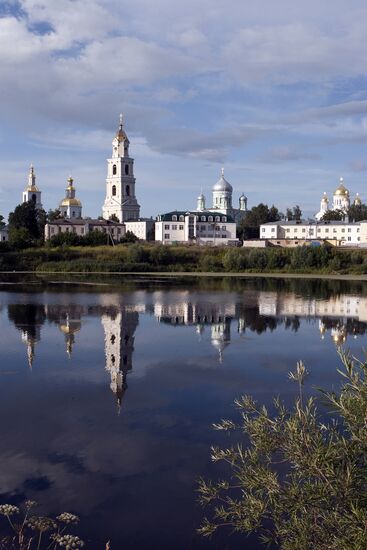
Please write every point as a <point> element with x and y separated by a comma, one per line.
<point>120,198</point>
<point>31,192</point>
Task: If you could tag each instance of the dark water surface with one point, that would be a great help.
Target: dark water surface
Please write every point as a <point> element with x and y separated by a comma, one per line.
<point>108,393</point>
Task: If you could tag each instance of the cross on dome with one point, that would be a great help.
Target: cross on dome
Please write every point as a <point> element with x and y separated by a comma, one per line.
<point>121,120</point>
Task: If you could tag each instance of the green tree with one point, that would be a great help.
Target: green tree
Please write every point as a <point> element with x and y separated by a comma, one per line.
<point>53,215</point>
<point>357,212</point>
<point>129,237</point>
<point>294,213</point>
<point>2,223</point>
<point>333,215</point>
<point>300,480</point>
<point>249,227</point>
<point>27,217</point>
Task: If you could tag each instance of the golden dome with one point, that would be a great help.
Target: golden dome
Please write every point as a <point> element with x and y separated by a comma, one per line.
<point>357,200</point>
<point>70,202</point>
<point>341,191</point>
<point>32,189</point>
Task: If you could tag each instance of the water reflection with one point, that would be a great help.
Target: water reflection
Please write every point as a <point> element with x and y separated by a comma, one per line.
<point>185,354</point>
<point>338,316</point>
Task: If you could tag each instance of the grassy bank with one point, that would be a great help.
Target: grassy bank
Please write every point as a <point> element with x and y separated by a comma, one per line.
<point>186,259</point>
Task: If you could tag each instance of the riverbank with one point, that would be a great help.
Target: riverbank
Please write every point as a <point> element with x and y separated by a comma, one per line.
<point>185,274</point>
<point>188,260</point>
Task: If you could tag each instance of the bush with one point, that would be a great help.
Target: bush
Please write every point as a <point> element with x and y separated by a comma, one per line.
<point>300,481</point>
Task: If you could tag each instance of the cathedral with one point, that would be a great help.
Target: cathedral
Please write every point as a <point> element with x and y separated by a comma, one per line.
<point>341,201</point>
<point>222,200</point>
<point>120,199</point>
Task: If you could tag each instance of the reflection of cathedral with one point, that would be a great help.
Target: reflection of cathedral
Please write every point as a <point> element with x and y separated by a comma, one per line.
<point>119,329</point>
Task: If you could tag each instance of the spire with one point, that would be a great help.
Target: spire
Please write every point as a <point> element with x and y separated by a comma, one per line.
<point>31,178</point>
<point>121,121</point>
<point>222,172</point>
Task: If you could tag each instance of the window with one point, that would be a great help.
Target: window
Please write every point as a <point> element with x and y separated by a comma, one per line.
<point>73,214</point>
<point>174,218</point>
<point>203,218</point>
<point>174,227</point>
<point>181,227</point>
<point>287,230</point>
<point>166,226</point>
<point>334,230</point>
<point>273,229</point>
<point>217,218</point>
<point>224,228</point>
<point>166,235</point>
<point>343,230</point>
<point>349,230</point>
<point>34,198</point>
<point>52,230</point>
<point>326,230</point>
<point>181,218</point>
<point>82,230</point>
<point>114,170</point>
<point>210,218</point>
<point>114,190</point>
<point>349,238</point>
<point>126,169</point>
<point>203,228</point>
<point>263,229</point>
<point>217,228</point>
<point>303,230</point>
<point>224,219</point>
<point>128,190</point>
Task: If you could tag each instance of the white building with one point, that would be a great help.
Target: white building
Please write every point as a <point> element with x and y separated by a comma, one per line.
<point>31,192</point>
<point>142,228</point>
<point>337,232</point>
<point>70,207</point>
<point>341,201</point>
<point>82,226</point>
<point>202,228</point>
<point>120,198</point>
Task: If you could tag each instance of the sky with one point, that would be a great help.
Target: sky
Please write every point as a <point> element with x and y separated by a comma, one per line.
<point>276,92</point>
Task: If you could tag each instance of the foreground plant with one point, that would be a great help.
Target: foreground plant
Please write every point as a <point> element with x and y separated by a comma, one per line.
<point>28,531</point>
<point>298,482</point>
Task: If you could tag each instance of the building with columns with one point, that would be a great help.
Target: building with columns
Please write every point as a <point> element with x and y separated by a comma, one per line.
<point>341,201</point>
<point>120,198</point>
<point>31,192</point>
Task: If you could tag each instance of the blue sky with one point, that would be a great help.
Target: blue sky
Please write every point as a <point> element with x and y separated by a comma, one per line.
<point>274,91</point>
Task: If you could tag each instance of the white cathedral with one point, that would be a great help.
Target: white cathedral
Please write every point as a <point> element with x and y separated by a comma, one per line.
<point>341,201</point>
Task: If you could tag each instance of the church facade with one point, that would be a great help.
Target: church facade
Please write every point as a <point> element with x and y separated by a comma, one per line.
<point>341,201</point>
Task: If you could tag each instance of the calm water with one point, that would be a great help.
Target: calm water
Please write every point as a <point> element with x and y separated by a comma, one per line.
<point>108,393</point>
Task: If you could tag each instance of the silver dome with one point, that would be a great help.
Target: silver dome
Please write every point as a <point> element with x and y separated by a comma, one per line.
<point>222,184</point>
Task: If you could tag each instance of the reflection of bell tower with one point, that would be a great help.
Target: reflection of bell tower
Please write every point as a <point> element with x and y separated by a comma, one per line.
<point>221,336</point>
<point>30,338</point>
<point>119,328</point>
<point>28,318</point>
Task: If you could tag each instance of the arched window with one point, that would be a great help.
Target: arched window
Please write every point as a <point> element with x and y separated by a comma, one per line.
<point>114,170</point>
<point>174,218</point>
<point>126,169</point>
<point>73,214</point>
<point>34,198</point>
<point>114,190</point>
<point>181,218</point>
<point>217,218</point>
<point>210,218</point>
<point>203,218</point>
<point>128,190</point>
<point>224,219</point>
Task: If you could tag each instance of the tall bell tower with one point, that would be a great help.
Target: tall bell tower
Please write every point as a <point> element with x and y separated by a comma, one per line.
<point>120,198</point>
